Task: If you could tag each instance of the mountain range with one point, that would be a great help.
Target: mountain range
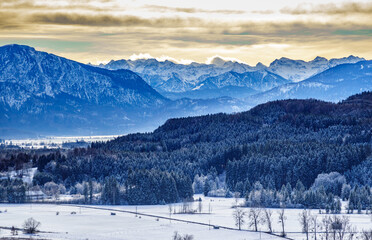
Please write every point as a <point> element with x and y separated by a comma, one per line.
<point>46,94</point>
<point>41,93</point>
<point>194,80</point>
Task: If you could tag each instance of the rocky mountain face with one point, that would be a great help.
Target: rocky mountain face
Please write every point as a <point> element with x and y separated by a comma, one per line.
<point>44,93</point>
<point>27,73</point>
<point>298,70</point>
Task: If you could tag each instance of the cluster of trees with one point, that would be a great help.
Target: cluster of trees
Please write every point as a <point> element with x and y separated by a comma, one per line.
<point>13,191</point>
<point>110,192</point>
<point>178,236</point>
<point>360,198</point>
<point>157,187</point>
<point>326,193</point>
<point>360,174</point>
<point>276,163</point>
<point>289,197</point>
<point>14,159</point>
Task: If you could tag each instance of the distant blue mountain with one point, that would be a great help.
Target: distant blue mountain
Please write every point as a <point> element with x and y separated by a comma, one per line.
<point>334,84</point>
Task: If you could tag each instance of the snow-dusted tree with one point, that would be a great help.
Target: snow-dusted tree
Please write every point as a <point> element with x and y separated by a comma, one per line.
<point>30,226</point>
<point>236,198</point>
<point>51,189</point>
<point>239,215</point>
<point>332,182</point>
<point>198,184</point>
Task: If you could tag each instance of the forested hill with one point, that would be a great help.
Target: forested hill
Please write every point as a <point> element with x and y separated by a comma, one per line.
<point>296,139</point>
<point>276,120</point>
<point>277,143</point>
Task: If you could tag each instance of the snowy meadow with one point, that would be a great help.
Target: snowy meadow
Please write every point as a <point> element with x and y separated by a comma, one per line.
<point>82,222</point>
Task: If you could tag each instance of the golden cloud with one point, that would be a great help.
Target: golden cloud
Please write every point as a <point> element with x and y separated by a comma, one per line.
<point>191,10</point>
<point>195,35</point>
<point>331,9</point>
<point>110,20</point>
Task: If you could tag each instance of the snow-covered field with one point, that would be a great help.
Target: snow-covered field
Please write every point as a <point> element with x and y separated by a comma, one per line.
<point>99,224</point>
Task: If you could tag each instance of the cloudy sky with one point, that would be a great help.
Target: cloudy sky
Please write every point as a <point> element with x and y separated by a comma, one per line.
<point>250,31</point>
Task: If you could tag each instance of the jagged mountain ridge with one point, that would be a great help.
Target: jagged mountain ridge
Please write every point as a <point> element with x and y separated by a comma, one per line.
<point>298,70</point>
<point>160,74</point>
<point>257,80</point>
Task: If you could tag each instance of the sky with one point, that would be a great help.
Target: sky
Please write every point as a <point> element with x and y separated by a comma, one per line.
<point>97,31</point>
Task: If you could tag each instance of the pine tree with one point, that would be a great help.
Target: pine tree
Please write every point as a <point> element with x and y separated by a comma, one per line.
<point>90,191</point>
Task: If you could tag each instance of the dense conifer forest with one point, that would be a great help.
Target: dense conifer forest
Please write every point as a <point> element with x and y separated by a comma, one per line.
<point>294,152</point>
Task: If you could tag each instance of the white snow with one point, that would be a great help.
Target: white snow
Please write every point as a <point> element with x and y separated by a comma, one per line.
<point>99,224</point>
<point>287,88</point>
<point>198,87</point>
<point>27,174</point>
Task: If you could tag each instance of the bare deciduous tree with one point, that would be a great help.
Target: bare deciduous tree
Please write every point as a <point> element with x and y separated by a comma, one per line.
<point>305,221</point>
<point>345,227</point>
<point>186,207</point>
<point>314,224</point>
<point>30,226</point>
<point>209,208</point>
<point>326,227</point>
<point>170,209</point>
<point>188,237</point>
<point>239,215</point>
<point>367,235</point>
<point>177,236</point>
<point>268,219</point>
<point>255,217</point>
<point>282,219</point>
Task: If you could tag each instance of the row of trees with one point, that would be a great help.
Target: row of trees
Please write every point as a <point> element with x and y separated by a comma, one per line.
<point>329,227</point>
